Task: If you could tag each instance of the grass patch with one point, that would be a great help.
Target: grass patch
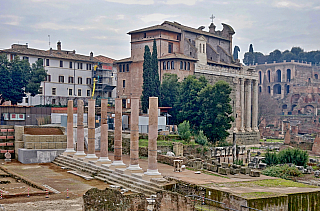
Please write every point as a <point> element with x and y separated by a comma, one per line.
<point>272,140</point>
<point>270,183</point>
<point>252,195</point>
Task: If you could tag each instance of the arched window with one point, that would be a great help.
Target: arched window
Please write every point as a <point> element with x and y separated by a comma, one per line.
<point>269,89</point>
<point>168,65</point>
<point>185,66</point>
<point>288,89</point>
<point>260,77</point>
<point>188,67</point>
<point>120,68</point>
<point>278,76</point>
<point>269,76</point>
<point>181,65</point>
<point>164,65</point>
<point>277,89</point>
<point>288,75</point>
<point>172,64</point>
<point>127,67</point>
<point>124,67</point>
<point>200,48</point>
<point>203,51</point>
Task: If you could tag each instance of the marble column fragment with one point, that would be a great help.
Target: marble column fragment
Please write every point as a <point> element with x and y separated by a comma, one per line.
<point>91,130</point>
<point>255,106</point>
<point>117,162</point>
<point>242,104</point>
<point>248,105</point>
<point>104,133</point>
<point>80,129</point>
<point>70,148</point>
<point>134,135</point>
<point>152,136</point>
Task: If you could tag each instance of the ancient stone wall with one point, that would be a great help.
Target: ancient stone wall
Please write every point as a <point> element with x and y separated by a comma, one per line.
<point>170,201</point>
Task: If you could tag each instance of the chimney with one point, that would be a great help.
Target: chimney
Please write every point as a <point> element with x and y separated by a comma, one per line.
<point>50,51</point>
<point>74,51</point>
<point>91,55</point>
<point>59,46</point>
<point>212,28</point>
<point>27,45</point>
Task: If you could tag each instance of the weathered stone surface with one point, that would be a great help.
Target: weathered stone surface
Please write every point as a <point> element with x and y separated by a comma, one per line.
<point>316,145</point>
<point>224,171</point>
<point>234,171</point>
<point>254,173</point>
<point>245,170</point>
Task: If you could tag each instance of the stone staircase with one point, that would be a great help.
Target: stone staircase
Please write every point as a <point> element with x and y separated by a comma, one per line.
<point>132,182</point>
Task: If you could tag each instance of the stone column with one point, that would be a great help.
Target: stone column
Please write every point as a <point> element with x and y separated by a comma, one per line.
<point>104,134</point>
<point>91,130</point>
<point>152,136</point>
<point>134,137</point>
<point>117,162</point>
<point>70,148</point>
<point>80,130</point>
<point>236,103</point>
<point>242,104</point>
<point>248,105</point>
<point>255,106</point>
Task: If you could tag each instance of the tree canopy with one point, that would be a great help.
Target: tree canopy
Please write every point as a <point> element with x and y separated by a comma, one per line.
<point>18,78</point>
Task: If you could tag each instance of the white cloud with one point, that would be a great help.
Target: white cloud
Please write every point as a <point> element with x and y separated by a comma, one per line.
<point>239,21</point>
<point>56,26</point>
<point>12,20</point>
<point>293,5</point>
<point>187,2</point>
<point>143,2</point>
<point>156,17</point>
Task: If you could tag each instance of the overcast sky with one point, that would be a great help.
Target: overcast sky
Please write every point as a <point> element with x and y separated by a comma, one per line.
<point>101,26</point>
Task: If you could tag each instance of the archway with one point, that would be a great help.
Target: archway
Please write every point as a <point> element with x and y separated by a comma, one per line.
<point>260,80</point>
<point>277,89</point>
<point>269,89</point>
<point>288,75</point>
<point>288,89</point>
<point>278,76</point>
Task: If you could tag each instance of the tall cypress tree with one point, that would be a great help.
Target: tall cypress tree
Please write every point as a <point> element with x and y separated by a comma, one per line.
<point>155,72</point>
<point>147,80</point>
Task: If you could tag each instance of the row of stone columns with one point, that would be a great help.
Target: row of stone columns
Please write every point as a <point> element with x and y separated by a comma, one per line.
<point>134,136</point>
<point>249,105</point>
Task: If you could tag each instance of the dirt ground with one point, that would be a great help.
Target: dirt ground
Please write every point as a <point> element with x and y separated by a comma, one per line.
<point>43,131</point>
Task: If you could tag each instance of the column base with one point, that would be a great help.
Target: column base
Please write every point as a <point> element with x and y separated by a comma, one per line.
<point>150,174</point>
<point>248,129</point>
<point>103,160</point>
<point>242,130</point>
<point>79,154</point>
<point>256,129</point>
<point>91,157</point>
<point>117,164</point>
<point>69,151</point>
<point>133,169</point>
<point>235,130</point>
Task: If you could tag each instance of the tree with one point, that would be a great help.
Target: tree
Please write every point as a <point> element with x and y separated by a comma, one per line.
<point>248,58</point>
<point>169,89</point>
<point>155,72</point>
<point>17,77</point>
<point>184,130</point>
<point>296,50</point>
<point>251,48</point>
<point>274,56</point>
<point>147,81</point>
<point>215,111</point>
<point>268,108</point>
<point>288,56</point>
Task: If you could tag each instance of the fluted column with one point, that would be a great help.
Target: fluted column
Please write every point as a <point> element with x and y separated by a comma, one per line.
<point>152,137</point>
<point>91,130</point>
<point>255,106</point>
<point>248,105</point>
<point>134,135</point>
<point>242,104</point>
<point>80,130</point>
<point>70,148</point>
<point>236,107</point>
<point>117,162</point>
<point>104,133</point>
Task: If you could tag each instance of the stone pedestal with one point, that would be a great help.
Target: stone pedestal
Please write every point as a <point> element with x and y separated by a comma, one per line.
<point>104,134</point>
<point>178,149</point>
<point>134,138</point>
<point>177,165</point>
<point>152,136</point>
<point>91,132</point>
<point>80,131</point>
<point>118,163</point>
<point>70,149</point>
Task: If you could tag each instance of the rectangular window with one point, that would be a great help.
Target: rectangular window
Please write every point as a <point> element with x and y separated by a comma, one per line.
<point>26,58</point>
<point>100,79</point>
<point>120,68</point>
<point>61,79</point>
<point>89,67</point>
<point>88,92</point>
<point>61,63</point>
<point>124,84</point>
<point>40,90</point>
<point>81,66</point>
<point>48,78</point>
<point>79,92</point>
<point>78,65</point>
<point>70,80</point>
<point>47,62</point>
<point>27,100</point>
<point>70,65</point>
<point>79,80</point>
<point>70,92</point>
<point>127,67</point>
<point>170,47</point>
<point>88,81</point>
<point>54,91</point>
<point>53,101</point>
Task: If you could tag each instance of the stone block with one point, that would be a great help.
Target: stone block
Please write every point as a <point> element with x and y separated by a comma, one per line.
<point>30,138</point>
<point>245,170</point>
<point>224,165</point>
<point>28,145</point>
<point>64,145</point>
<point>45,138</point>
<point>51,145</point>
<point>27,156</point>
<point>224,171</point>
<point>37,145</point>
<point>60,138</point>
<point>234,171</point>
<point>44,145</point>
<point>262,166</point>
<point>254,173</point>
<point>18,132</point>
<point>58,145</point>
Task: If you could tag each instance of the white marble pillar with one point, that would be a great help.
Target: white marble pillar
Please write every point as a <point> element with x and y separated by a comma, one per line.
<point>242,104</point>
<point>80,130</point>
<point>70,147</point>
<point>248,105</point>
<point>255,106</point>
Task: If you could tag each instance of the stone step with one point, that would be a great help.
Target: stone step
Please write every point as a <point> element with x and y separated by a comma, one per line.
<point>80,175</point>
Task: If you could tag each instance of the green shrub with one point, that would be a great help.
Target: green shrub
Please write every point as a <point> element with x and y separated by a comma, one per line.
<point>201,138</point>
<point>296,156</point>
<point>184,130</point>
<point>271,158</point>
<point>284,172</point>
<point>238,162</point>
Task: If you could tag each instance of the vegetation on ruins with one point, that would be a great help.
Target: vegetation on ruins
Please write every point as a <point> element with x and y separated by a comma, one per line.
<point>201,139</point>
<point>184,131</point>
<point>284,172</point>
<point>151,82</point>
<point>169,90</point>
<point>296,53</point>
<point>18,78</point>
<point>296,156</point>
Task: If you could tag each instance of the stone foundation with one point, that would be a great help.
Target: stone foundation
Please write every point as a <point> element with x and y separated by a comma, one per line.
<point>247,138</point>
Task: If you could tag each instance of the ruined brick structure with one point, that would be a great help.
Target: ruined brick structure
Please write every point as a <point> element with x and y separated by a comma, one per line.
<point>184,51</point>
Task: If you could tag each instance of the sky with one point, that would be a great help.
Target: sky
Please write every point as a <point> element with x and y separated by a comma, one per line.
<point>101,26</point>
